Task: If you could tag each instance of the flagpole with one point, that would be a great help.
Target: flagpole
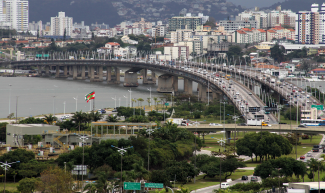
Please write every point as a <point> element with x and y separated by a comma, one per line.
<point>94,105</point>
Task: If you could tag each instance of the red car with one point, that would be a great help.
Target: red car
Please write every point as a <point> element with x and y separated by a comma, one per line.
<point>302,157</point>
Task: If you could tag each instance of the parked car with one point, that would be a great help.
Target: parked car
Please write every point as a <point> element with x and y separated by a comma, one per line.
<point>254,179</point>
<point>224,185</point>
<point>244,178</point>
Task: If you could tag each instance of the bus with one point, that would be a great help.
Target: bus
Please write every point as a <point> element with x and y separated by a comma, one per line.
<point>228,77</point>
<point>312,122</point>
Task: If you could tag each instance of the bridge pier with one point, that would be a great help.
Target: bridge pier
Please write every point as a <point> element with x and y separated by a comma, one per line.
<point>216,96</point>
<point>83,72</point>
<point>100,73</point>
<point>108,74</point>
<point>188,89</point>
<point>65,71</point>
<point>117,75</point>
<point>228,136</point>
<point>70,71</point>
<point>130,79</point>
<point>167,83</point>
<point>91,69</point>
<point>39,70</point>
<point>47,70</point>
<point>57,73</point>
<point>144,76</point>
<point>203,92</point>
<point>74,73</point>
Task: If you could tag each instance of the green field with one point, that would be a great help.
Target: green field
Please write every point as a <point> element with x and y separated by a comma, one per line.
<point>9,186</point>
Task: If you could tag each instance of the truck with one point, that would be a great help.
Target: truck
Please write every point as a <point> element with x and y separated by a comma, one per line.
<point>272,80</point>
<point>255,122</point>
<point>71,57</point>
<point>177,121</point>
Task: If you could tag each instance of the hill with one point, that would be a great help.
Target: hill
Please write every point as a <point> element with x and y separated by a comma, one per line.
<point>296,5</point>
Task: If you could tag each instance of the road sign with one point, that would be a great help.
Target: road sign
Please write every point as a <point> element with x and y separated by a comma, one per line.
<point>132,186</point>
<point>318,107</point>
<point>154,185</point>
<point>167,104</point>
<point>38,55</point>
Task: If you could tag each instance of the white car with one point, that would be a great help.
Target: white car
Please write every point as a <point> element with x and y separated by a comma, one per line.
<point>215,124</point>
<point>224,185</point>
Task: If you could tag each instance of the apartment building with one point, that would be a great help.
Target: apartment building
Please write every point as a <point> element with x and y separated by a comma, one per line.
<point>231,26</point>
<point>14,14</point>
<point>280,33</point>
<point>310,26</point>
<point>180,35</point>
<point>177,52</point>
<point>184,22</point>
<point>142,24</point>
<point>246,35</point>
<point>61,23</point>
<point>259,16</point>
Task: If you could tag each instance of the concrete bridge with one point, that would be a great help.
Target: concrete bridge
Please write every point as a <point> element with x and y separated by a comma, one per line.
<point>167,78</point>
<point>274,128</point>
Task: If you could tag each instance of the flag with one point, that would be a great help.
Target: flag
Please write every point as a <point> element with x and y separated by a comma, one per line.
<point>90,96</point>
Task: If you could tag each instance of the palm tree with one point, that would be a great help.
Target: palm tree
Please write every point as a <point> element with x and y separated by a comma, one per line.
<point>140,100</point>
<point>78,118</point>
<point>314,166</point>
<point>112,119</point>
<point>149,102</point>
<point>91,188</point>
<point>49,119</point>
<point>133,101</point>
<point>95,116</point>
<point>155,99</point>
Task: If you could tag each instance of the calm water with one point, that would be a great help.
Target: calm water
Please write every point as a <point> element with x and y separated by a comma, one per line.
<point>35,95</point>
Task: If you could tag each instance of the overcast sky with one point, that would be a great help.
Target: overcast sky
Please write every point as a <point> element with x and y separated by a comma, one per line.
<point>253,3</point>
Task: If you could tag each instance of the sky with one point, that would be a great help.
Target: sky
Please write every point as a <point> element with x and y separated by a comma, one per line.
<point>253,3</point>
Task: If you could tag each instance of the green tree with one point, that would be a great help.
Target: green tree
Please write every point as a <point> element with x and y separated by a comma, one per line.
<point>112,118</point>
<point>32,120</point>
<point>277,53</point>
<point>49,119</point>
<point>65,34</point>
<point>28,185</point>
<point>78,118</point>
<point>21,155</point>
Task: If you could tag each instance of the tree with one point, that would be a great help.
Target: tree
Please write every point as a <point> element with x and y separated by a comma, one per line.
<point>32,120</point>
<point>95,116</point>
<point>55,180</point>
<point>155,99</point>
<point>306,66</point>
<point>10,116</point>
<point>28,185</point>
<point>140,100</point>
<point>92,35</point>
<point>65,34</point>
<point>277,53</point>
<point>49,119</point>
<point>234,51</point>
<point>21,155</point>
<point>78,118</point>
<point>112,119</point>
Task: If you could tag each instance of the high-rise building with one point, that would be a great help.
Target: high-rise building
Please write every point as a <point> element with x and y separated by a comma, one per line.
<point>310,25</point>
<point>231,26</point>
<point>61,23</point>
<point>14,14</point>
<point>186,22</point>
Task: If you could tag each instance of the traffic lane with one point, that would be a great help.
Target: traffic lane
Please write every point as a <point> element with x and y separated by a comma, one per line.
<point>210,189</point>
<point>315,155</point>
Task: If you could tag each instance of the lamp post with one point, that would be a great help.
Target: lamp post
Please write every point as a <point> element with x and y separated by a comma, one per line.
<point>195,123</point>
<point>115,101</point>
<point>235,118</point>
<point>64,108</point>
<point>121,151</point>
<point>149,131</point>
<point>76,99</point>
<point>6,166</point>
<point>53,106</point>
<point>130,96</point>
<point>114,188</point>
<point>83,139</point>
<point>296,142</point>
<point>149,89</point>
<point>126,100</point>
<point>221,141</point>
<point>9,97</point>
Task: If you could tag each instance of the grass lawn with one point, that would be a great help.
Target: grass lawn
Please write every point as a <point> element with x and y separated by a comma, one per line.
<point>287,121</point>
<point>201,183</point>
<point>9,186</point>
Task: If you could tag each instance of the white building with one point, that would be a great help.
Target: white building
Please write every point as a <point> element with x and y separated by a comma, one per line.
<point>231,26</point>
<point>177,52</point>
<point>61,23</point>
<point>310,26</point>
<point>14,13</point>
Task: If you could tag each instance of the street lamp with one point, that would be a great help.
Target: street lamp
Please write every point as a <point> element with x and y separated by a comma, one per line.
<point>6,166</point>
<point>130,96</point>
<point>235,118</point>
<point>126,100</point>
<point>115,101</point>
<point>221,142</point>
<point>149,131</point>
<point>9,97</point>
<point>121,151</point>
<point>195,123</point>
<point>53,106</point>
<point>149,89</point>
<point>83,139</point>
<point>64,108</point>
<point>114,188</point>
<point>76,99</point>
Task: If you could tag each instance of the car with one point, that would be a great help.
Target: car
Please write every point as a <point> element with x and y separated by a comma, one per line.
<point>114,110</point>
<point>302,125</point>
<point>254,179</point>
<point>309,155</point>
<point>224,185</point>
<point>244,178</point>
<point>302,157</point>
<point>316,146</point>
<point>242,124</point>
<point>315,149</point>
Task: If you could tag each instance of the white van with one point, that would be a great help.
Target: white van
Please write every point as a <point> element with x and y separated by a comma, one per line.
<point>224,185</point>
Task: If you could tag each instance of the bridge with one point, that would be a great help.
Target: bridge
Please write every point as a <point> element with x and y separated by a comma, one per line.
<point>227,128</point>
<point>243,82</point>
